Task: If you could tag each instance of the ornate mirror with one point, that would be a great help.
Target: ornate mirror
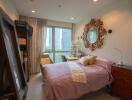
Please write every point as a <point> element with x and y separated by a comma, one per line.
<point>93,35</point>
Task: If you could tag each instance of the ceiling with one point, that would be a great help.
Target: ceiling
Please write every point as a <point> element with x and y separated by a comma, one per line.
<point>61,10</point>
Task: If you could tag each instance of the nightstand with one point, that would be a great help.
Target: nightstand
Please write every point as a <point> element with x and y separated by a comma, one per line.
<point>122,83</point>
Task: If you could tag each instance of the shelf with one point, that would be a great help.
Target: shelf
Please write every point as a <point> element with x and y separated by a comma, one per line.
<point>22,41</point>
<point>24,32</point>
<point>7,95</point>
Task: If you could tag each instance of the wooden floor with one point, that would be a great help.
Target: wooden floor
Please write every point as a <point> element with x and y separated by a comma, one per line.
<point>36,91</point>
<point>35,88</point>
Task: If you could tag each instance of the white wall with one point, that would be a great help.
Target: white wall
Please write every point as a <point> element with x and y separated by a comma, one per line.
<point>58,23</point>
<point>117,17</point>
<point>9,8</point>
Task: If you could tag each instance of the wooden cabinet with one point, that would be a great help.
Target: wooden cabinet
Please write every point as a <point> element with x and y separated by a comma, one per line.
<point>122,84</point>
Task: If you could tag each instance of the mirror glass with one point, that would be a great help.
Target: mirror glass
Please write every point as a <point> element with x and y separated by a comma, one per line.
<point>92,35</point>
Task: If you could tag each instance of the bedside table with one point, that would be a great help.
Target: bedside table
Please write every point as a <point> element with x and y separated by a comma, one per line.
<point>122,84</point>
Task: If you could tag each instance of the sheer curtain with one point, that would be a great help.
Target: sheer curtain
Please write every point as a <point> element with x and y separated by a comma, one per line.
<point>36,41</point>
<point>44,39</point>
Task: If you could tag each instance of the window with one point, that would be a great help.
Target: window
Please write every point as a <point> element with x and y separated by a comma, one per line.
<point>62,39</point>
<point>58,42</point>
<point>48,35</point>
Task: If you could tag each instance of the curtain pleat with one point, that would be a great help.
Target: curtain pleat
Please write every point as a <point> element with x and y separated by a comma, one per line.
<point>36,41</point>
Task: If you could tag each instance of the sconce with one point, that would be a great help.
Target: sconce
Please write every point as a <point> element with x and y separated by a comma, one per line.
<point>121,55</point>
<point>110,31</point>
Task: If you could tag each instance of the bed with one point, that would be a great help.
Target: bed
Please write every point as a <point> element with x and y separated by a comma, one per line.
<point>58,83</point>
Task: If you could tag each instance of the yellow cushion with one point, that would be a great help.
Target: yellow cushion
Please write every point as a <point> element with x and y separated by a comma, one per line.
<point>91,60</point>
<point>83,60</point>
<point>87,60</point>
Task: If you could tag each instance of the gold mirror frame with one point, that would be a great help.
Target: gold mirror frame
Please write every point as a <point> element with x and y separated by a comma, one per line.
<point>101,31</point>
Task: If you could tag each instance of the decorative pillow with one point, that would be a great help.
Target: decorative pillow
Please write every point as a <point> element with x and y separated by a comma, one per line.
<point>84,60</point>
<point>87,60</point>
<point>91,60</point>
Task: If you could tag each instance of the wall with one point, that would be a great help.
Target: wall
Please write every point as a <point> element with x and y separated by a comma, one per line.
<point>58,23</point>
<point>117,17</point>
<point>9,8</point>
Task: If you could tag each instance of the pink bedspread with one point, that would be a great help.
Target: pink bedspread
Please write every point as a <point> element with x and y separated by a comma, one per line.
<point>59,85</point>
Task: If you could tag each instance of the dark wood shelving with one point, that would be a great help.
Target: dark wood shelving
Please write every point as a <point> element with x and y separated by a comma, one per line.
<point>24,31</point>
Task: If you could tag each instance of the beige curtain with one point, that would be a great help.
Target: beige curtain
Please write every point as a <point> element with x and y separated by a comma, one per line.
<point>36,41</point>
